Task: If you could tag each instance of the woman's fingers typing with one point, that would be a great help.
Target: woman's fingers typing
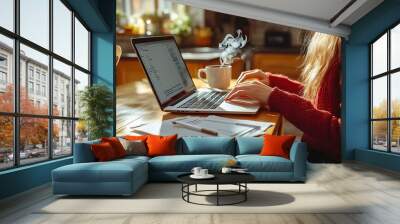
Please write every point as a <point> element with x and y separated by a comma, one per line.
<point>238,94</point>
<point>253,74</point>
<point>254,90</point>
<point>241,97</point>
<point>239,87</point>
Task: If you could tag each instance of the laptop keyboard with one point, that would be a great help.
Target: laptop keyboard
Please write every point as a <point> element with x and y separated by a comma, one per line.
<point>205,100</point>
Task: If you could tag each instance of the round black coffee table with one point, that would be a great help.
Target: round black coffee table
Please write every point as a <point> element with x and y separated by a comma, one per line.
<point>238,179</point>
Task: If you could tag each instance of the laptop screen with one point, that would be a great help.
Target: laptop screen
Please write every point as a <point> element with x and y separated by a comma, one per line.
<point>165,68</point>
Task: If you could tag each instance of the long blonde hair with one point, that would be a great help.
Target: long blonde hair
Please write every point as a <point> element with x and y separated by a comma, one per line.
<point>321,51</point>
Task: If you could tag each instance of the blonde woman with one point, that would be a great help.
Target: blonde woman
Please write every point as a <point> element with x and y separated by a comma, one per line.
<point>312,105</point>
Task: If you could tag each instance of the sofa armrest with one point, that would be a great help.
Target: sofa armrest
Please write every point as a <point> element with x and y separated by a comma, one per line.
<point>83,152</point>
<point>298,155</point>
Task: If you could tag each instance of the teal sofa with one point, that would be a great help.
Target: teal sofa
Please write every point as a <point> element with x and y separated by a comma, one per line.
<point>125,176</point>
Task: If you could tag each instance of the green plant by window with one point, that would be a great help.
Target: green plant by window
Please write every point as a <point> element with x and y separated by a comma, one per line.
<point>96,102</point>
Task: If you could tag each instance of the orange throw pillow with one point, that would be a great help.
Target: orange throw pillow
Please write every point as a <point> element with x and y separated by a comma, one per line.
<point>275,145</point>
<point>116,145</point>
<point>161,145</point>
<point>103,152</point>
<point>135,137</point>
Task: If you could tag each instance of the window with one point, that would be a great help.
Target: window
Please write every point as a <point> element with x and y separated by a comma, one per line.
<point>40,62</point>
<point>3,81</point>
<point>38,89</point>
<point>33,149</point>
<point>40,129</point>
<point>44,91</point>
<point>30,88</point>
<point>81,45</point>
<point>3,61</point>
<point>38,73</point>
<point>6,89</point>
<point>62,74</point>
<point>385,91</point>
<point>3,78</point>
<point>62,30</point>
<point>3,72</point>
<point>30,72</point>
<point>81,81</point>
<point>6,142</point>
<point>62,137</point>
<point>55,100</point>
<point>7,14</point>
<point>35,22</point>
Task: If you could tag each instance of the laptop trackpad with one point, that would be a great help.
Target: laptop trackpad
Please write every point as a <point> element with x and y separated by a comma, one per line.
<point>240,108</point>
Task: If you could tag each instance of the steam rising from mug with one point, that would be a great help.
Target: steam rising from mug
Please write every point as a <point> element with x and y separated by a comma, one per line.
<point>231,46</point>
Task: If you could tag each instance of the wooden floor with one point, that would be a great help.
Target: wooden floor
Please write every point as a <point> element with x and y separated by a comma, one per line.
<point>377,188</point>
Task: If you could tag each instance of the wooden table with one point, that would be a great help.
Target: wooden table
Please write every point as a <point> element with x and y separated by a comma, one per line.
<point>137,105</point>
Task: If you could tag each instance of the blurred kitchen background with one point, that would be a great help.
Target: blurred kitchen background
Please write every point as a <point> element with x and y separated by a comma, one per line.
<point>270,47</point>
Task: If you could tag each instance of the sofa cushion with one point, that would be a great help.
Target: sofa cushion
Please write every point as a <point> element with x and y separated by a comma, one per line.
<point>161,145</point>
<point>112,171</point>
<point>185,163</point>
<point>116,145</point>
<point>103,152</point>
<point>134,147</point>
<point>206,145</point>
<point>83,152</point>
<point>277,145</point>
<point>257,163</point>
<point>249,145</point>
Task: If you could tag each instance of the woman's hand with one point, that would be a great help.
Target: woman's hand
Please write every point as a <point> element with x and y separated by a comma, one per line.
<point>255,91</point>
<point>258,74</point>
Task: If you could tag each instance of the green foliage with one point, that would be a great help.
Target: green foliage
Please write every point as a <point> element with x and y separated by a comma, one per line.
<point>181,25</point>
<point>96,103</point>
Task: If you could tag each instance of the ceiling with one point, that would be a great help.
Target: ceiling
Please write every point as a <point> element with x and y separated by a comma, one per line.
<point>327,16</point>
<point>321,9</point>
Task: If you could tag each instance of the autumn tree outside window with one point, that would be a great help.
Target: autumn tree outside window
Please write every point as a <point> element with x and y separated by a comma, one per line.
<point>44,64</point>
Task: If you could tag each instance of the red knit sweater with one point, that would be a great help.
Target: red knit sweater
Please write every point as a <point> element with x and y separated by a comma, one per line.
<point>318,119</point>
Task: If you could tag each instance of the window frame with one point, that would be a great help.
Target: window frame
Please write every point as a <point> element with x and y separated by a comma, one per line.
<point>5,58</point>
<point>3,71</point>
<point>16,114</point>
<point>388,74</point>
<point>3,74</point>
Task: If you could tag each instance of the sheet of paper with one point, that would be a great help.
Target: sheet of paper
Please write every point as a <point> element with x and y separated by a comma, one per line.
<point>166,128</point>
<point>263,126</point>
<point>224,126</point>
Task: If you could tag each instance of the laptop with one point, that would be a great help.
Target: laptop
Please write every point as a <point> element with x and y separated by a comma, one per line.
<point>172,84</point>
